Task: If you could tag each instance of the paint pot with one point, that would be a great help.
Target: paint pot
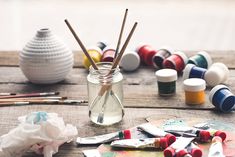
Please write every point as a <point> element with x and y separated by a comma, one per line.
<point>222,98</point>
<point>160,56</point>
<point>192,71</point>
<point>218,73</point>
<point>108,54</point>
<point>101,45</point>
<point>194,91</point>
<point>95,53</point>
<point>201,59</point>
<point>176,61</point>
<point>146,54</point>
<point>130,61</point>
<point>166,80</point>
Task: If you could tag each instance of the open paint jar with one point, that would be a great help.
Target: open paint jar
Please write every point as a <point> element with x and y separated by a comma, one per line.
<point>105,94</point>
<point>160,56</point>
<point>222,98</point>
<point>194,91</point>
<point>108,54</point>
<point>201,59</point>
<point>192,71</point>
<point>176,61</point>
<point>166,81</point>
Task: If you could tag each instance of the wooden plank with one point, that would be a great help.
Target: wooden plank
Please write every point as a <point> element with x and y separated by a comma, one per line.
<point>140,89</point>
<point>78,116</point>
<point>10,58</point>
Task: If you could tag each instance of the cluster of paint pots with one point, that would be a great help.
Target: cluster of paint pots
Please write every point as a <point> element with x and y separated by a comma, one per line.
<point>198,71</point>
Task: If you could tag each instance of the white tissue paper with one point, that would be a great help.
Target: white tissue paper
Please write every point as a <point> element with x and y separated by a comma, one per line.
<point>41,132</point>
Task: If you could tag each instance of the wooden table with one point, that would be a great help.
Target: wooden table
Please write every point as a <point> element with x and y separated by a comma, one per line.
<point>140,91</point>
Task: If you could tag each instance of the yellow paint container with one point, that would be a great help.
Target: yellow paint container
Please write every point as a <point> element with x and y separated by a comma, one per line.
<point>194,91</point>
<point>95,54</point>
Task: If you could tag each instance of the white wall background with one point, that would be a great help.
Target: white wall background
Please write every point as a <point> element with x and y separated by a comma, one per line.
<point>181,24</point>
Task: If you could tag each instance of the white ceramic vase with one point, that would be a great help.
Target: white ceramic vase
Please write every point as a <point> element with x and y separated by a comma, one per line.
<point>45,59</point>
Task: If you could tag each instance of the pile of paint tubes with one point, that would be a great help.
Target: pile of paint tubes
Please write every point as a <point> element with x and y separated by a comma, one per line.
<point>178,141</point>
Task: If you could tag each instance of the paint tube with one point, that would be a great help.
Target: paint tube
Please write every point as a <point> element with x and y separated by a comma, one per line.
<point>141,143</point>
<point>216,148</point>
<point>180,144</point>
<point>194,150</point>
<point>91,153</point>
<point>183,153</point>
<point>156,132</point>
<point>126,134</point>
<point>213,132</point>
<point>201,135</point>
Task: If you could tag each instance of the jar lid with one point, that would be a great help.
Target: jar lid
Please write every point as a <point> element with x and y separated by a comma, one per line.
<point>194,84</point>
<point>215,89</point>
<point>213,77</point>
<point>183,56</point>
<point>207,57</point>
<point>130,61</point>
<point>166,75</point>
<point>224,69</point>
<point>187,70</point>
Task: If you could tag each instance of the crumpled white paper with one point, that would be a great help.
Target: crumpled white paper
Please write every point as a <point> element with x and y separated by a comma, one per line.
<point>39,131</point>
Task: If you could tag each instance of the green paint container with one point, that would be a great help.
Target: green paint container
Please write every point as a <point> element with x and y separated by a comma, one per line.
<point>166,81</point>
<point>201,59</point>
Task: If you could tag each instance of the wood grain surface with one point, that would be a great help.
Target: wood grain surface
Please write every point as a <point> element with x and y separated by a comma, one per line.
<point>141,99</point>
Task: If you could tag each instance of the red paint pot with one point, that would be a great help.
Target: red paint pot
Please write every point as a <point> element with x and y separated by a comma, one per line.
<point>146,54</point>
<point>108,55</point>
<point>176,61</point>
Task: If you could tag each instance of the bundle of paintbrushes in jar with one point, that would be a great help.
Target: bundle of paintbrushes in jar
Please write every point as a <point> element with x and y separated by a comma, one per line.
<point>105,91</point>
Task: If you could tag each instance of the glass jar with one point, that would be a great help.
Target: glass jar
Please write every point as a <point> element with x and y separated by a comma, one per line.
<point>105,94</point>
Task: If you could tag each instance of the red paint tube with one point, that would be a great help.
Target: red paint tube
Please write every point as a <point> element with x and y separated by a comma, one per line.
<point>180,144</point>
<point>201,135</point>
<point>156,132</point>
<point>194,150</point>
<point>183,153</point>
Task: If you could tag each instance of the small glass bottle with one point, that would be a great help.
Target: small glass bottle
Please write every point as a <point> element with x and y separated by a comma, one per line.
<point>105,94</point>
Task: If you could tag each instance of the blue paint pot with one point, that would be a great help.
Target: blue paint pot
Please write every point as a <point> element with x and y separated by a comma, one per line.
<point>192,71</point>
<point>222,98</point>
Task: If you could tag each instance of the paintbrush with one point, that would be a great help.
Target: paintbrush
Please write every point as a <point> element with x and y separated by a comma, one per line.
<point>5,94</point>
<point>120,35</point>
<point>30,95</point>
<point>69,102</point>
<point>32,98</point>
<point>100,118</point>
<point>115,64</point>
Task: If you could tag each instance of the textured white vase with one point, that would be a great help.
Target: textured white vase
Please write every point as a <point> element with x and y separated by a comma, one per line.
<point>45,59</point>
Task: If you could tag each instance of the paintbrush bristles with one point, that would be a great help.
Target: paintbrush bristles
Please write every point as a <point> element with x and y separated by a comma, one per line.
<point>81,44</point>
<point>121,32</point>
